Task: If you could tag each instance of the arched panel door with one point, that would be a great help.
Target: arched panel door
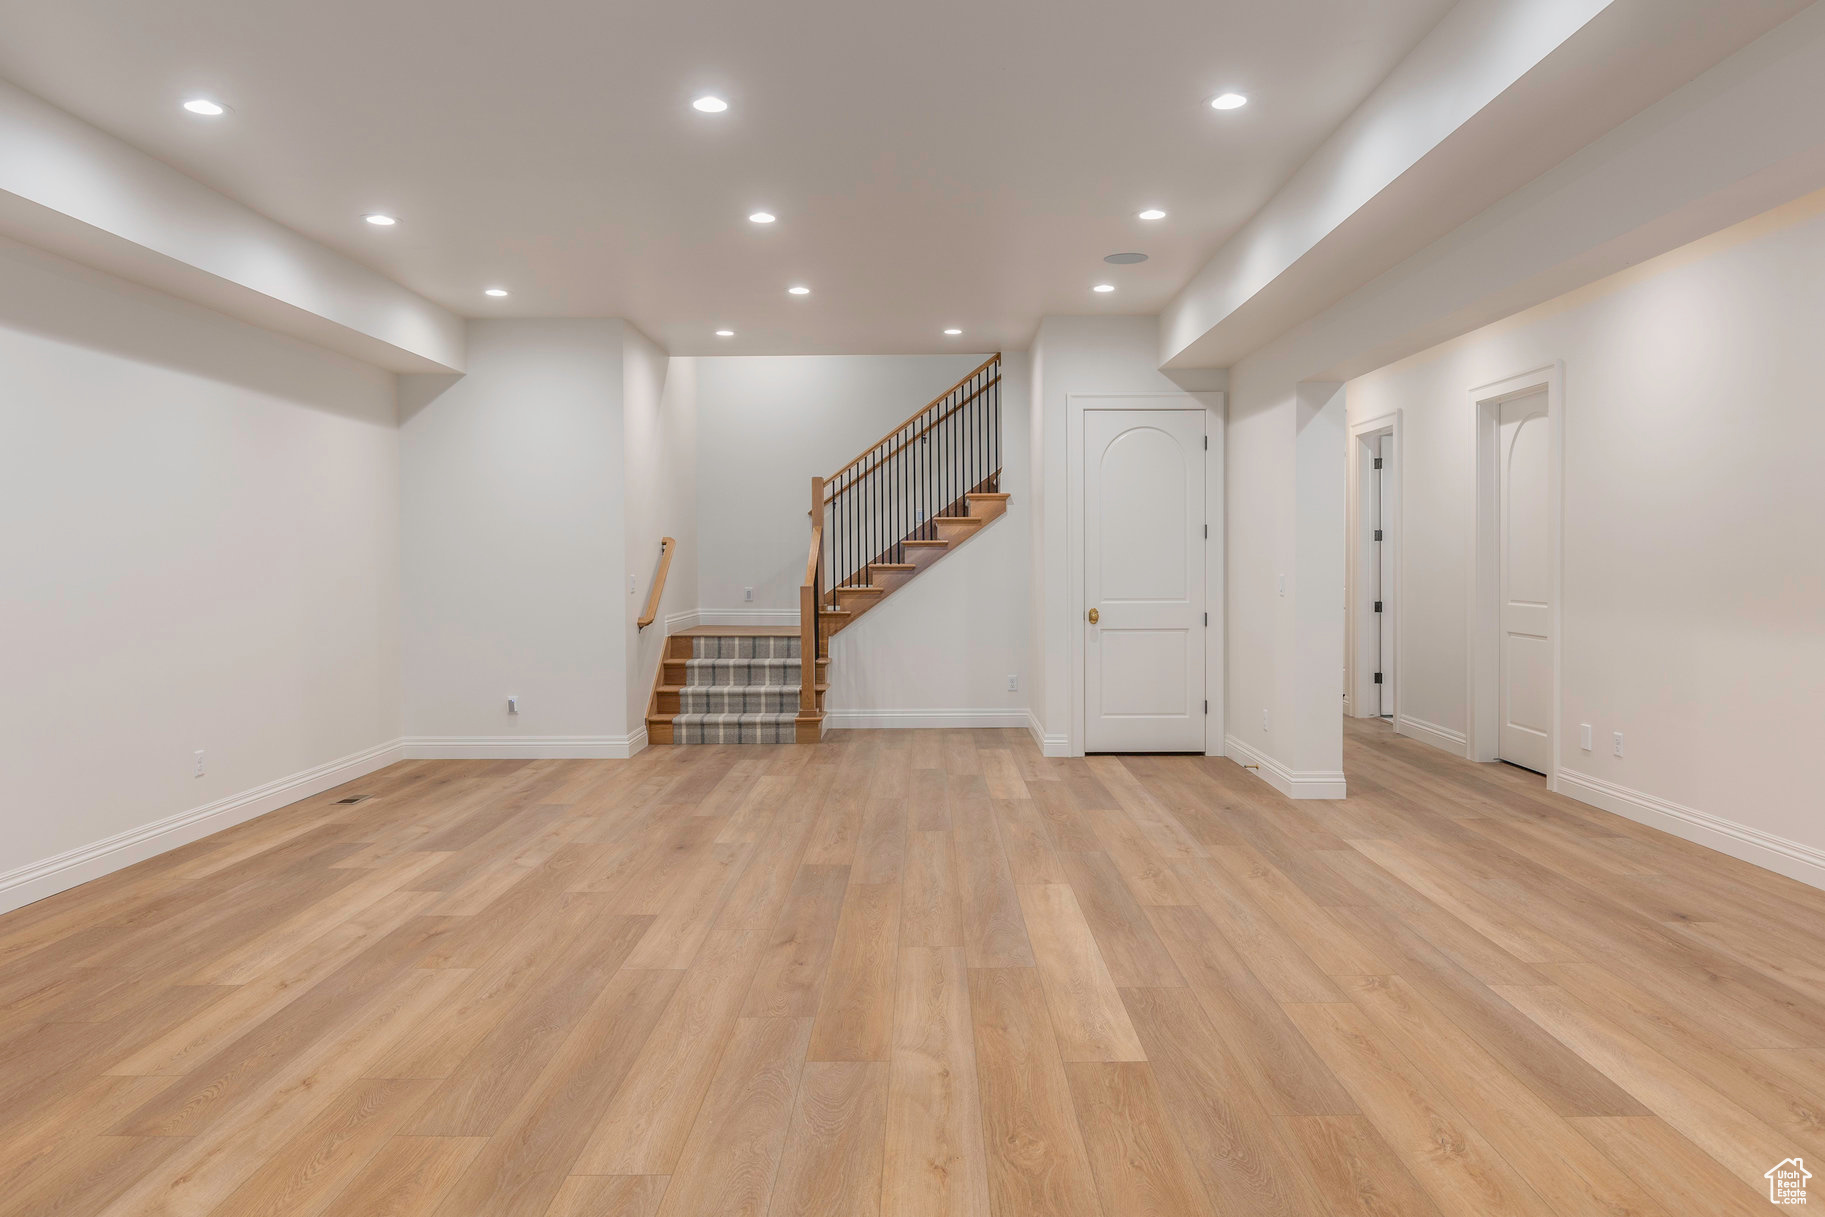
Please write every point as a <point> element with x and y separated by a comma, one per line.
<point>1527,656</point>
<point>1144,581</point>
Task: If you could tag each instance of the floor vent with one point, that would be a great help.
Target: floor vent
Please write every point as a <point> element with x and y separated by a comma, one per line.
<point>354,798</point>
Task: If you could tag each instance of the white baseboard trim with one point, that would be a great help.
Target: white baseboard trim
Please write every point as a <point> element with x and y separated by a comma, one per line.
<point>875,720</point>
<point>712,616</point>
<point>1291,783</point>
<point>37,880</point>
<point>1049,745</point>
<point>1791,858</point>
<point>523,747</point>
<point>1443,738</point>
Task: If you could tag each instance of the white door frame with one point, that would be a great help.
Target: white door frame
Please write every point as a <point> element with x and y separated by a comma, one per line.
<point>1212,403</point>
<point>1359,689</point>
<point>1484,631</point>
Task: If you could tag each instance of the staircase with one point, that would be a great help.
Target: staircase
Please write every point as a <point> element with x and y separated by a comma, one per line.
<point>728,685</point>
<point>918,493</point>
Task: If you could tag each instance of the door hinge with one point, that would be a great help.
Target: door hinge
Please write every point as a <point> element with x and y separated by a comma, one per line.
<point>1378,462</point>
<point>1207,705</point>
<point>1207,620</point>
<point>1378,606</point>
<point>1378,678</point>
<point>1207,532</point>
<point>1378,534</point>
<point>1207,443</point>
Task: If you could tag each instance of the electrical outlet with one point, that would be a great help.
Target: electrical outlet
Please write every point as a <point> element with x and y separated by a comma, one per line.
<point>513,705</point>
<point>1283,585</point>
<point>1264,725</point>
<point>199,763</point>
<point>630,585</point>
<point>1584,736</point>
<point>1618,745</point>
<point>747,593</point>
<point>1013,683</point>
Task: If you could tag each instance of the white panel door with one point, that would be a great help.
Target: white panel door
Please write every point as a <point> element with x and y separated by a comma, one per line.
<point>1526,594</point>
<point>1144,580</point>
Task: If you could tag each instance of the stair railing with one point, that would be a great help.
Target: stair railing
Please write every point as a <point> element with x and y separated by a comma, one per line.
<point>810,597</point>
<point>922,470</point>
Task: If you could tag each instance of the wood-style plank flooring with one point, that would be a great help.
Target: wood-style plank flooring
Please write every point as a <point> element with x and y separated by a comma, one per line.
<point>916,974</point>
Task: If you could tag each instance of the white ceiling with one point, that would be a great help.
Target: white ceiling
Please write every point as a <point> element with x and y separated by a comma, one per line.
<point>932,164</point>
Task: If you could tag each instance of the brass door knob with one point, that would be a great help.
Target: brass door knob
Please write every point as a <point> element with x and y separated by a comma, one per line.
<point>1095,616</point>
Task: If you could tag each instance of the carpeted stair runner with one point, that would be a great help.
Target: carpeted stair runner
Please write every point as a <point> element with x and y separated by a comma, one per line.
<point>739,690</point>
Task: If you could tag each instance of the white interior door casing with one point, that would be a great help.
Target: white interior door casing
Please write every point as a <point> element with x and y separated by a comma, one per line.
<point>1144,545</point>
<point>1384,574</point>
<point>1523,464</point>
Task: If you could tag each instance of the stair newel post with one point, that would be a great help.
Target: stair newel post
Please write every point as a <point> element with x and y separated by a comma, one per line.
<point>809,602</point>
<point>995,424</point>
<point>945,457</point>
<point>969,445</point>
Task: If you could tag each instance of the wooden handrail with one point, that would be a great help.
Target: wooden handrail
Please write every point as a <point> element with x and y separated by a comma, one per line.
<point>908,441</point>
<point>666,546</point>
<point>817,545</point>
<point>914,417</point>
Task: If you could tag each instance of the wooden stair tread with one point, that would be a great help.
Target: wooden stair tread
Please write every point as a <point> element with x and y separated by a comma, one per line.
<point>893,566</point>
<point>926,543</point>
<point>862,589</point>
<point>988,494</point>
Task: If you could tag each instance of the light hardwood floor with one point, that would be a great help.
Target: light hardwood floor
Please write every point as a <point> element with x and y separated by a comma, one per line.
<point>916,974</point>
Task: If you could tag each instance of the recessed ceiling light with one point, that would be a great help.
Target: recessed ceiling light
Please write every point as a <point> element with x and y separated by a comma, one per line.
<point>494,291</point>
<point>1228,101</point>
<point>1153,213</point>
<point>202,105</point>
<point>1124,259</point>
<point>762,217</point>
<point>1103,287</point>
<point>380,221</point>
<point>953,333</point>
<point>799,291</point>
<point>725,333</point>
<point>710,105</point>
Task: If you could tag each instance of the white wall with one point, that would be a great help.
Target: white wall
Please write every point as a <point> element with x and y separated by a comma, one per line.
<point>513,538</point>
<point>660,429</point>
<point>1735,140</point>
<point>766,426</point>
<point>939,651</point>
<point>200,552</point>
<point>1259,482</point>
<point>1090,355</point>
<point>1694,559</point>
